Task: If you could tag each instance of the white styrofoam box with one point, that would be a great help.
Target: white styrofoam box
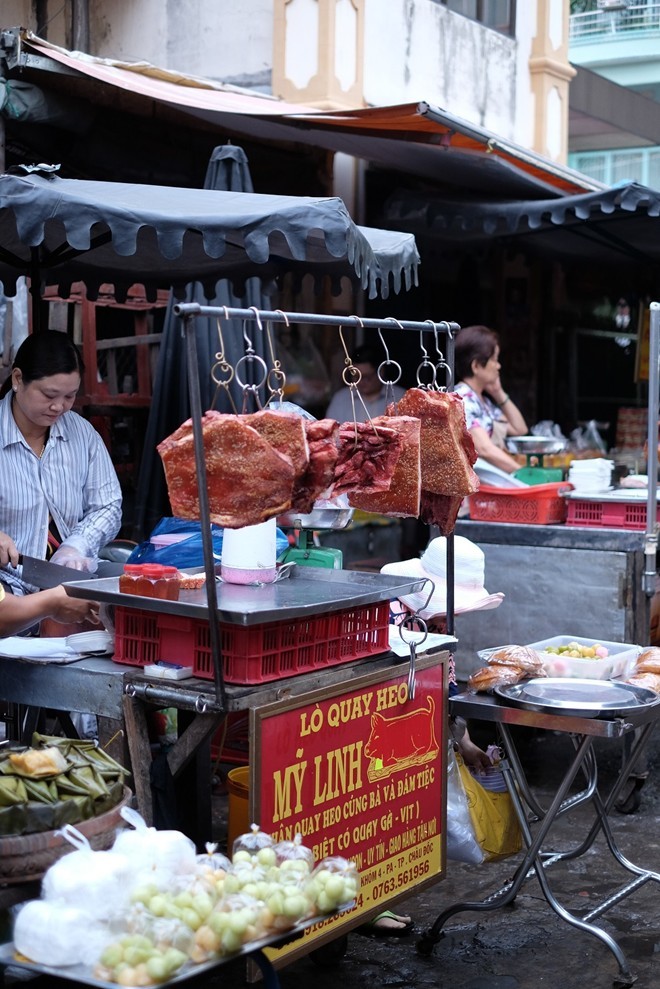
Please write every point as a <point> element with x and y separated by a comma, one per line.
<point>619,661</point>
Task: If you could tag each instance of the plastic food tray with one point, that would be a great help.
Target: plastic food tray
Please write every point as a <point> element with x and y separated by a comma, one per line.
<point>620,660</point>
<point>538,504</point>
<point>618,663</point>
<point>256,653</point>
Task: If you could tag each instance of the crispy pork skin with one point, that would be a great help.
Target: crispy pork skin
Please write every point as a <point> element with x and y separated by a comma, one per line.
<point>248,480</point>
<point>402,498</point>
<point>447,449</point>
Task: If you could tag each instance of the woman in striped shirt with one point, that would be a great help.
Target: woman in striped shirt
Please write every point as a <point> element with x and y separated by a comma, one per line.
<point>58,486</point>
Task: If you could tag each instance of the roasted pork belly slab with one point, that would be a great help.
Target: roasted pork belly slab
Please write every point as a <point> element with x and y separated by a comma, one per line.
<point>316,480</point>
<point>402,498</point>
<point>447,449</point>
<point>368,455</point>
<point>248,480</point>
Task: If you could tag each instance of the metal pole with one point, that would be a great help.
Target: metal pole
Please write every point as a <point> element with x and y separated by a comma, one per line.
<point>186,309</point>
<point>204,513</point>
<point>651,535</point>
<point>452,330</point>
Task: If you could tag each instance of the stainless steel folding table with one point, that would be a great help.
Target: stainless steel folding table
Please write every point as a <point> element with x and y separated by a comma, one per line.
<point>537,822</point>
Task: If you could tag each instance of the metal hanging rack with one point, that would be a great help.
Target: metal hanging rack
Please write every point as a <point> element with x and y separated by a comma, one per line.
<point>188,312</point>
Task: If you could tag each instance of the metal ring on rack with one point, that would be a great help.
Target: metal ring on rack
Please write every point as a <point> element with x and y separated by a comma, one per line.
<point>426,363</point>
<point>251,358</point>
<point>407,623</point>
<point>201,704</point>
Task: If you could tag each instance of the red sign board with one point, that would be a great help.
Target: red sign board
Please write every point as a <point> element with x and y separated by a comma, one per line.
<point>359,771</point>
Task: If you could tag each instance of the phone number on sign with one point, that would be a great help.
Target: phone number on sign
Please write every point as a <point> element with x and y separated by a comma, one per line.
<point>402,879</point>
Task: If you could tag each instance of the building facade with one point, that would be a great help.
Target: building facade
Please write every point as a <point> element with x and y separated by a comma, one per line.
<point>618,40</point>
<point>500,64</point>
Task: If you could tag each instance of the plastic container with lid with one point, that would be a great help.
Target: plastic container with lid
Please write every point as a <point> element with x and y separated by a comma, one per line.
<point>152,580</point>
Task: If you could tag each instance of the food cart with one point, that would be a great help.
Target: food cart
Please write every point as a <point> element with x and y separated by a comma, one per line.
<point>374,681</point>
<point>344,678</point>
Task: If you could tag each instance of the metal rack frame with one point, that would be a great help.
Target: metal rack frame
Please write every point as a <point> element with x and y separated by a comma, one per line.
<point>188,312</point>
<point>651,535</point>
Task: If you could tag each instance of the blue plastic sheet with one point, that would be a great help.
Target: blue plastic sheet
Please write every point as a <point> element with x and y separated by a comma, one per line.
<point>189,551</point>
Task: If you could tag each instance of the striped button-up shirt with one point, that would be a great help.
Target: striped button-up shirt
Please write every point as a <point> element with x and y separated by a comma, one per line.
<point>74,482</point>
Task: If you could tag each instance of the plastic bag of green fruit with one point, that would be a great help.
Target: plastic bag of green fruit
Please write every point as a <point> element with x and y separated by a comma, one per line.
<point>333,885</point>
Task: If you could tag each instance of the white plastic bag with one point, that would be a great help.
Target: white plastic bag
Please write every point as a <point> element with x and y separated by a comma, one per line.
<point>88,880</point>
<point>154,856</point>
<point>462,845</point>
<point>53,932</point>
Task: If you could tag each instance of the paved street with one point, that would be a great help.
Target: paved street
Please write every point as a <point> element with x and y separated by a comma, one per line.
<point>525,946</point>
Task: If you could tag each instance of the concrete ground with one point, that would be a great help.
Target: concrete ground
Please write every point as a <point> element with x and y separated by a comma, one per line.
<point>525,946</point>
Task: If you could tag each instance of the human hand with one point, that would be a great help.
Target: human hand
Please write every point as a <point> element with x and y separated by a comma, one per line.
<point>496,391</point>
<point>67,556</point>
<point>8,551</point>
<point>472,755</point>
<point>64,608</point>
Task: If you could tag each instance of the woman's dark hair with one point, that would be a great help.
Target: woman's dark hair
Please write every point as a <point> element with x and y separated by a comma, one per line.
<point>473,343</point>
<point>45,353</point>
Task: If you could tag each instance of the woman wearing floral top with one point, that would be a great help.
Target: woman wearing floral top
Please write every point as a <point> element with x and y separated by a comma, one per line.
<point>490,413</point>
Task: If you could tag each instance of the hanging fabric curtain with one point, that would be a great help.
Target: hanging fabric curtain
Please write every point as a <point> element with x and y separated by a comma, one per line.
<point>228,171</point>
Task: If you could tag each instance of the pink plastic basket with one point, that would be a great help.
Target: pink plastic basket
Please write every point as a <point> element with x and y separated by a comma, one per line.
<point>607,514</point>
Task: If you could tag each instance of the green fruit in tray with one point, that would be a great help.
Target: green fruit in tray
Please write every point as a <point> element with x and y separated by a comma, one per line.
<point>575,651</point>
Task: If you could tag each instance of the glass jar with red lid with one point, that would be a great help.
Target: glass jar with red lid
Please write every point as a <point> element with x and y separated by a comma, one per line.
<point>153,580</point>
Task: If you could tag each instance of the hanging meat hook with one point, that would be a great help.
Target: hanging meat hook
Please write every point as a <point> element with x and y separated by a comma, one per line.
<point>414,623</point>
<point>352,376</point>
<point>222,372</point>
<point>276,379</point>
<point>250,358</point>
<point>442,364</point>
<point>389,363</point>
<point>426,363</point>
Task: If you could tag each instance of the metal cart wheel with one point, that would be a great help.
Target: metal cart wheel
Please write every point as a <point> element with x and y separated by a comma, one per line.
<point>329,955</point>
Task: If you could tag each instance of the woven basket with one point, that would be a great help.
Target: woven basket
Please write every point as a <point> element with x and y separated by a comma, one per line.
<point>24,858</point>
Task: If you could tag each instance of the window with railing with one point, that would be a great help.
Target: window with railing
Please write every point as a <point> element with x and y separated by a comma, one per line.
<point>591,20</point>
<point>500,15</point>
<point>623,165</point>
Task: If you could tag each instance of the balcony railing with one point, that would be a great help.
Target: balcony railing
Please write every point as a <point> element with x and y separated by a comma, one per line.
<point>640,19</point>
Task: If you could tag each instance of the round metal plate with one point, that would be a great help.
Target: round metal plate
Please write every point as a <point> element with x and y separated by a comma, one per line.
<point>318,518</point>
<point>580,698</point>
<point>535,444</point>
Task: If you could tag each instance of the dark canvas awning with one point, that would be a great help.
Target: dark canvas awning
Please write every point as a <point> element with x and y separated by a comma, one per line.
<point>614,225</point>
<point>61,231</point>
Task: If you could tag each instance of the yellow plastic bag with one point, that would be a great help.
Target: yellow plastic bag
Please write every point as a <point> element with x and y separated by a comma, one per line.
<point>493,816</point>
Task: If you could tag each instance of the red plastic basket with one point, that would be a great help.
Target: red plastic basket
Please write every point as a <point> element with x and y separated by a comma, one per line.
<point>607,514</point>
<point>254,653</point>
<point>539,504</point>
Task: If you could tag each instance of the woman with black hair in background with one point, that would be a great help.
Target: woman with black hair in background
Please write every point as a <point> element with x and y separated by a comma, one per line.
<point>59,493</point>
<point>491,414</point>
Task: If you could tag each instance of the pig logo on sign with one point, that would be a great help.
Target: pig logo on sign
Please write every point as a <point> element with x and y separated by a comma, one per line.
<point>395,744</point>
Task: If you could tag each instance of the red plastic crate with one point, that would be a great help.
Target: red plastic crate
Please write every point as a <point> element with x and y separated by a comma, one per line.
<point>539,504</point>
<point>608,514</point>
<point>253,653</point>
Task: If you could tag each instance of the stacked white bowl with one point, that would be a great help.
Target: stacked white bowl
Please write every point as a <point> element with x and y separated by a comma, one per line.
<point>591,475</point>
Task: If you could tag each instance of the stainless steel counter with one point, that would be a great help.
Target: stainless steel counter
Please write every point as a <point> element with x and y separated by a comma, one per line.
<point>557,580</point>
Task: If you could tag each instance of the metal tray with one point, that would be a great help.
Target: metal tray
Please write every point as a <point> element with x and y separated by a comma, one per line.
<point>83,974</point>
<point>306,591</point>
<point>318,518</point>
<point>535,444</point>
<point>580,698</point>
